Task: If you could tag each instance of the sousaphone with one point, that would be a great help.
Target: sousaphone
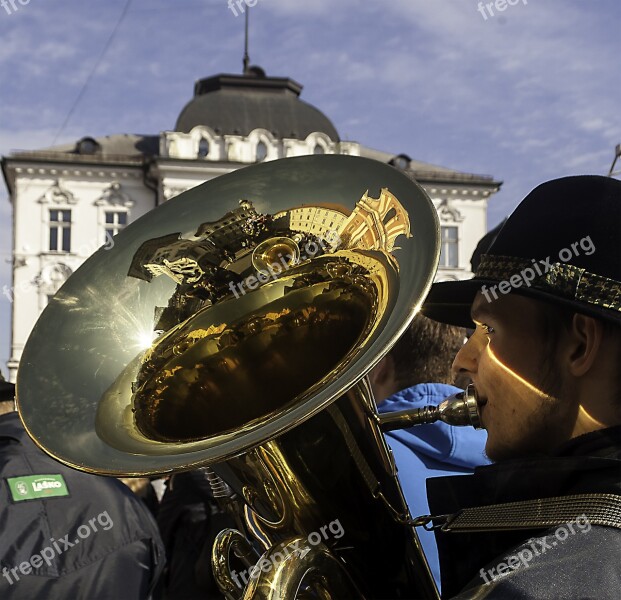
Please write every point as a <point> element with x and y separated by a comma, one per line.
<point>233,327</point>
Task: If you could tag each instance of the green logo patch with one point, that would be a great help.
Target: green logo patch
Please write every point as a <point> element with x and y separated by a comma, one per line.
<point>36,487</point>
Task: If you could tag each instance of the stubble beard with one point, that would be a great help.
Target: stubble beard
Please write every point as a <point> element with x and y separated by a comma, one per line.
<point>540,434</point>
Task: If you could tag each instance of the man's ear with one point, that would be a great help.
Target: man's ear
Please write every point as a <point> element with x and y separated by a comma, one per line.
<point>585,336</point>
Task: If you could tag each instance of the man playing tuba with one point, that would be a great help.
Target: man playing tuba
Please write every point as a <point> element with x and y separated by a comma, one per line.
<point>544,360</point>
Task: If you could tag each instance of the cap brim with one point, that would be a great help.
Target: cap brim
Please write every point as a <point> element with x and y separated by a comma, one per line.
<point>450,301</point>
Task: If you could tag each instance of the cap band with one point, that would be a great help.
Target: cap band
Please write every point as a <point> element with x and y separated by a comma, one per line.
<point>563,279</point>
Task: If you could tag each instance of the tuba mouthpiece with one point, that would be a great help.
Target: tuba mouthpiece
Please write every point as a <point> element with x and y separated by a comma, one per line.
<point>459,410</point>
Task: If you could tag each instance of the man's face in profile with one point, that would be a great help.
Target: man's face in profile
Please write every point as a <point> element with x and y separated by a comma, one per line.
<point>507,360</point>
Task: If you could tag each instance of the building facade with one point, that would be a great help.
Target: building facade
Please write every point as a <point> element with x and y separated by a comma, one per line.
<point>70,200</point>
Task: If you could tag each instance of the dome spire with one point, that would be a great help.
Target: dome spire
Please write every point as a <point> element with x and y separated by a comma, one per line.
<point>246,57</point>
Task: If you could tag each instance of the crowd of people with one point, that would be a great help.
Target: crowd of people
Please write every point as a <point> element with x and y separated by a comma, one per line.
<point>528,508</point>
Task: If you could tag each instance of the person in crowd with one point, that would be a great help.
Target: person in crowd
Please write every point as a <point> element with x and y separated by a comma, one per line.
<point>189,519</point>
<point>144,488</point>
<point>68,534</point>
<point>545,358</point>
<point>416,373</point>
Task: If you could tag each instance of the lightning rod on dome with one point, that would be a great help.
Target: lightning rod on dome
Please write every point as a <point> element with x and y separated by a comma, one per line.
<point>246,57</point>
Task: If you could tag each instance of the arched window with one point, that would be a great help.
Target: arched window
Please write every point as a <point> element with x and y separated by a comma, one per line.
<point>319,149</point>
<point>203,147</point>
<point>401,161</point>
<point>87,145</point>
<point>261,151</point>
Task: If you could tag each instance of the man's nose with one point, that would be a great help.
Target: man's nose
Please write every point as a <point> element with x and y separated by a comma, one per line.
<point>467,359</point>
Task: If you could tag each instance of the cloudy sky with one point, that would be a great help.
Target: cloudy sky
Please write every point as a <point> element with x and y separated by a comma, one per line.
<point>525,94</point>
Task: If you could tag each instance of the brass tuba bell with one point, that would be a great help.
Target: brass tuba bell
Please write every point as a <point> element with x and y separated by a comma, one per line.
<point>233,327</point>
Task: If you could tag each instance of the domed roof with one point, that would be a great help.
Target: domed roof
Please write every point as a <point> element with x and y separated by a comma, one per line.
<point>238,104</point>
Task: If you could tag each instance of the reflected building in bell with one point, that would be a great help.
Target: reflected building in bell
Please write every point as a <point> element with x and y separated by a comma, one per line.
<point>373,217</point>
<point>71,199</point>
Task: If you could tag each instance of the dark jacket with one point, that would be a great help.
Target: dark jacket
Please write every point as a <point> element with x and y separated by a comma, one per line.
<point>581,561</point>
<point>189,519</point>
<point>66,534</point>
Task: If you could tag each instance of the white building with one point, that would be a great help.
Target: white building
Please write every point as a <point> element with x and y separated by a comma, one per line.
<point>69,200</point>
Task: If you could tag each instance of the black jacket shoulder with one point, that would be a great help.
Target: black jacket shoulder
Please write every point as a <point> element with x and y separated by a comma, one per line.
<point>588,464</point>
<point>93,540</point>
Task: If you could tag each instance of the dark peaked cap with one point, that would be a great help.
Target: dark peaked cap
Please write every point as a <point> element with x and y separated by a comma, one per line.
<point>7,390</point>
<point>484,245</point>
<point>549,220</point>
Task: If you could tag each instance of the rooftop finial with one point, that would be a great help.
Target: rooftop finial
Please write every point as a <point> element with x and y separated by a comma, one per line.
<point>246,57</point>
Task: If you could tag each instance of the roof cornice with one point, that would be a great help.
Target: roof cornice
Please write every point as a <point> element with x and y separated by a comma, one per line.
<point>456,177</point>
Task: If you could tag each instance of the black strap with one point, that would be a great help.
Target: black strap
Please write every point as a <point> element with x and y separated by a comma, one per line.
<point>597,509</point>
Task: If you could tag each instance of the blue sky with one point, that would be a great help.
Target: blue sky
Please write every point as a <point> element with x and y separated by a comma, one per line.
<point>526,95</point>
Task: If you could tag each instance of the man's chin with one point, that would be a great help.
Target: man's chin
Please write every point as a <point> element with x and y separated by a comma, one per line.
<point>501,452</point>
<point>494,455</point>
<point>498,448</point>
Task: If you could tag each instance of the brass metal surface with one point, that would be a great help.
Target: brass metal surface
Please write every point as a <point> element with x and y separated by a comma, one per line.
<point>460,410</point>
<point>164,351</point>
<point>233,327</point>
<point>334,468</point>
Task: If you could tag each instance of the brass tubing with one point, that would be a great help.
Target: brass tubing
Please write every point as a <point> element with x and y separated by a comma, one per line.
<point>227,540</point>
<point>313,565</point>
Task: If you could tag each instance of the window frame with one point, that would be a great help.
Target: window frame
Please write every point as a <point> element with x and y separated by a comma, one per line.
<point>61,228</point>
<point>447,243</point>
<point>114,227</point>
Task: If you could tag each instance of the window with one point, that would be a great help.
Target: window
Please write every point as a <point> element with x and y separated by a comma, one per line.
<point>401,161</point>
<point>203,148</point>
<point>448,254</point>
<point>115,222</point>
<point>88,145</point>
<point>391,214</point>
<point>261,151</point>
<point>60,230</point>
<point>319,149</point>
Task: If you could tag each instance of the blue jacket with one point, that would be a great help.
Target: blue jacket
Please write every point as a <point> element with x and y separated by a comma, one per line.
<point>428,451</point>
